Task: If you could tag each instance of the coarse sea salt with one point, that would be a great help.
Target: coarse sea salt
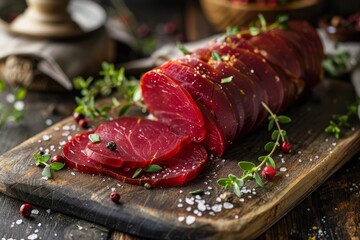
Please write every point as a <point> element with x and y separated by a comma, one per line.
<point>190,219</point>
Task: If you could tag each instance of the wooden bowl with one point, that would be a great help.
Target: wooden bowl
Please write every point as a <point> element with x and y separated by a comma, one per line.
<point>338,34</point>
<point>223,13</point>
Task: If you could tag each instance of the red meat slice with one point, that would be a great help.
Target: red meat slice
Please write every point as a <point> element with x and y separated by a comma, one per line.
<point>250,95</point>
<point>269,80</point>
<point>207,93</point>
<point>139,143</point>
<point>171,104</point>
<point>176,171</point>
<point>230,89</point>
<point>278,52</point>
<point>312,43</point>
<point>214,141</point>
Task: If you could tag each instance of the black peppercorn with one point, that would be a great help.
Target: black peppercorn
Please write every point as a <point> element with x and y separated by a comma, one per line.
<point>111,146</point>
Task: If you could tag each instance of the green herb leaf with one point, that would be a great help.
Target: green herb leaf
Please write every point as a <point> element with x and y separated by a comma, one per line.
<point>227,79</point>
<point>182,48</point>
<point>20,93</point>
<point>41,159</point>
<point>275,135</point>
<point>269,146</point>
<point>124,108</point>
<point>247,166</point>
<point>270,162</point>
<point>197,192</point>
<point>237,189</point>
<point>271,124</point>
<point>283,119</point>
<point>254,31</point>
<point>47,171</point>
<point>224,182</point>
<point>137,172</point>
<point>215,56</point>
<point>95,138</point>
<point>152,168</point>
<point>258,179</point>
<point>57,166</point>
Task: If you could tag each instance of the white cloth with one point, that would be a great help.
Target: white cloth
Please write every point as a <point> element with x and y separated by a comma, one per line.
<point>60,60</point>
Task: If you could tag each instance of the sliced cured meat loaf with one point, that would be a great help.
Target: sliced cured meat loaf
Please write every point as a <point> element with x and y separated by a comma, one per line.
<point>207,93</point>
<point>177,170</point>
<point>251,95</point>
<point>136,142</point>
<point>269,80</point>
<point>230,88</point>
<point>214,141</point>
<point>277,51</point>
<point>172,104</point>
<point>312,43</point>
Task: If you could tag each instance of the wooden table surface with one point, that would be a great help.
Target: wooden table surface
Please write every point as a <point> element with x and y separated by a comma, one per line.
<point>330,212</point>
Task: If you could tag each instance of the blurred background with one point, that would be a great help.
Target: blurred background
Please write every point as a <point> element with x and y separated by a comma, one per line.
<point>120,31</point>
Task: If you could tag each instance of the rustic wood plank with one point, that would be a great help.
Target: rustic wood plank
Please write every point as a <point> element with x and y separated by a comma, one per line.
<point>40,108</point>
<point>159,213</point>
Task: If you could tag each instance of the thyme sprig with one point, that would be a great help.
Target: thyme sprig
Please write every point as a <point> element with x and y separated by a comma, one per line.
<point>257,27</point>
<point>13,108</point>
<point>251,170</point>
<point>42,160</point>
<point>342,120</point>
<point>111,80</point>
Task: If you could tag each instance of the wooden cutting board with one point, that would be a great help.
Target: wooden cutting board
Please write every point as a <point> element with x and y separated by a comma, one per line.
<point>175,214</point>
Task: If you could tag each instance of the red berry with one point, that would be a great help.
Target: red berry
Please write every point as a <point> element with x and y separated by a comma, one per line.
<point>285,147</point>
<point>25,210</point>
<point>268,173</point>
<point>78,116</point>
<point>57,158</point>
<point>83,123</point>
<point>170,27</point>
<point>114,196</point>
<point>143,30</point>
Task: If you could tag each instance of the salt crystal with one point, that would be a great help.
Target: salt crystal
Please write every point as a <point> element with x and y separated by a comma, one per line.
<point>32,236</point>
<point>180,205</point>
<point>190,219</point>
<point>228,205</point>
<point>201,206</point>
<point>35,211</point>
<point>73,174</point>
<point>48,122</point>
<point>48,211</point>
<point>181,218</point>
<point>189,201</point>
<point>216,207</point>
<point>19,221</point>
<point>283,169</point>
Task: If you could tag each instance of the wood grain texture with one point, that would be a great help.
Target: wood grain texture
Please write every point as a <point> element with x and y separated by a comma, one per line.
<point>155,213</point>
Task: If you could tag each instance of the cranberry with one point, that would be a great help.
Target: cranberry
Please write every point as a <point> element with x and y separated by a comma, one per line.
<point>268,173</point>
<point>143,30</point>
<point>78,116</point>
<point>285,147</point>
<point>57,158</point>
<point>114,196</point>
<point>170,27</point>
<point>25,210</point>
<point>83,123</point>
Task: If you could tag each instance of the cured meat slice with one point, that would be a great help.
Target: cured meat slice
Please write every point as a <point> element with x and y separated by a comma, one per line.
<point>250,98</point>
<point>171,104</point>
<point>312,43</point>
<point>278,52</point>
<point>269,80</point>
<point>214,141</point>
<point>207,93</point>
<point>230,88</point>
<point>177,170</point>
<point>138,142</point>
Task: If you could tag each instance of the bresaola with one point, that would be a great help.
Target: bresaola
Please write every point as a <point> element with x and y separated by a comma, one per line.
<point>205,100</point>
